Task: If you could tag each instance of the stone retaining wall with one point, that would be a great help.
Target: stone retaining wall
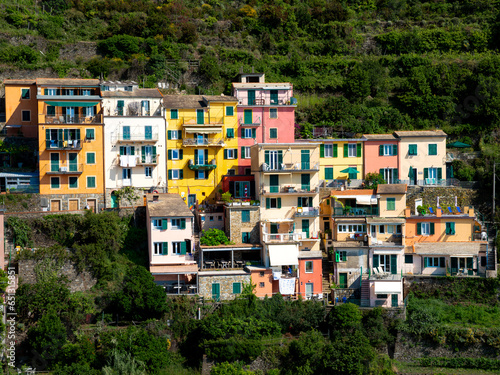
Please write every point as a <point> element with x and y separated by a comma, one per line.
<point>226,284</point>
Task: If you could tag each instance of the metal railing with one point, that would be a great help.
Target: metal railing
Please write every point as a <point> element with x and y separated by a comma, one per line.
<point>291,190</point>
<point>356,211</point>
<point>143,159</point>
<point>193,121</point>
<point>124,111</point>
<point>300,166</point>
<point>255,122</point>
<point>307,212</point>
<point>153,137</point>
<point>63,168</point>
<point>68,119</point>
<point>203,142</point>
<point>282,237</point>
<point>73,144</point>
<point>284,100</point>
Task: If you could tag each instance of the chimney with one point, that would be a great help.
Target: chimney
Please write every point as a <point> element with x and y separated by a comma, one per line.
<point>439,212</point>
<point>407,212</point>
<point>471,211</point>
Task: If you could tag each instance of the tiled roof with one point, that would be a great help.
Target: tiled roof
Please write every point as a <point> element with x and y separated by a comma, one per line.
<point>391,189</point>
<point>183,101</point>
<point>168,205</point>
<point>137,93</point>
<point>67,82</point>
<point>220,98</point>
<point>19,82</point>
<point>448,248</point>
<point>420,133</point>
<point>379,137</point>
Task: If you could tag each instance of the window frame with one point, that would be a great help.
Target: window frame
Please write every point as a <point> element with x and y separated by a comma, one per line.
<point>175,174</point>
<point>427,230</point>
<point>432,149</point>
<point>176,151</point>
<point>391,204</point>
<point>388,149</point>
<point>177,247</point>
<point>157,223</point>
<point>329,150</point>
<point>148,172</point>
<point>157,248</point>
<point>52,180</point>
<point>271,131</point>
<point>176,111</point>
<point>245,216</point>
<point>273,113</point>
<point>89,178</point>
<point>351,149</point>
<point>28,112</point>
<point>87,154</point>
<point>413,149</point>
<point>92,130</point>
<point>69,182</point>
<point>246,131</point>
<point>407,258</point>
<point>22,94</point>
<point>309,266</point>
<point>229,108</point>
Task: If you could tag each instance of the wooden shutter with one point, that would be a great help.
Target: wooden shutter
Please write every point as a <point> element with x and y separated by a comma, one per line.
<point>143,154</point>
<point>381,171</point>
<point>335,151</point>
<point>440,173</point>
<point>432,228</point>
<point>394,264</point>
<point>183,224</point>
<point>394,149</point>
<point>419,228</point>
<point>395,174</point>
<point>183,248</point>
<point>346,150</point>
<point>358,150</point>
<point>169,174</point>
<point>122,150</point>
<point>165,248</point>
<point>375,261</point>
<point>181,174</point>
<point>225,153</point>
<point>381,150</point>
<point>321,150</point>
<point>242,133</point>
<point>299,202</point>
<point>426,172</point>
<point>164,224</point>
<point>169,134</point>
<point>268,203</point>
<point>254,133</point>
<point>442,262</point>
<point>279,202</point>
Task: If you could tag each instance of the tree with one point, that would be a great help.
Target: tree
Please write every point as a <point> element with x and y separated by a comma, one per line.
<point>214,237</point>
<point>372,180</point>
<point>345,319</point>
<point>140,298</point>
<point>48,336</point>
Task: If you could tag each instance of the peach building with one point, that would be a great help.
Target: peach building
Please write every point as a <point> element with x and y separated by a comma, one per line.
<point>381,156</point>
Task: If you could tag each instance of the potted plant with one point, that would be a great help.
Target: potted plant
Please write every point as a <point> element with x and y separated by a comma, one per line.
<point>347,210</point>
<point>226,197</point>
<point>328,233</point>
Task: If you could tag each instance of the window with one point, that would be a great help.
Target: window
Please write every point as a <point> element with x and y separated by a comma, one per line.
<point>174,134</point>
<point>175,174</point>
<point>90,157</point>
<point>86,92</point>
<point>398,229</point>
<point>157,223</point>
<point>273,113</point>
<point>245,237</point>
<point>148,172</point>
<point>249,133</point>
<point>220,218</point>
<point>450,228</point>
<point>241,189</point>
<point>231,153</point>
<point>90,134</point>
<point>160,248</point>
<point>90,182</point>
<point>409,258</point>
<point>26,116</point>
<point>309,266</point>
<point>391,204</point>
<point>351,150</point>
<point>273,203</point>
<point>174,114</point>
<point>261,285</point>
<point>351,228</point>
<point>261,273</point>
<point>328,173</point>
<point>54,183</point>
<point>273,133</point>
<point>178,248</point>
<point>388,150</point>
<point>245,152</point>
<point>425,229</point>
<point>341,256</point>
<point>25,93</point>
<point>382,296</point>
<point>381,229</point>
<point>231,172</point>
<point>73,182</point>
<point>51,92</point>
<point>230,133</point>
<point>390,229</point>
<point>178,223</point>
<point>433,149</point>
<point>175,154</point>
<point>329,151</point>
<point>236,288</point>
<point>245,216</point>
<point>230,110</point>
<point>412,149</point>
<point>434,262</point>
<point>200,175</point>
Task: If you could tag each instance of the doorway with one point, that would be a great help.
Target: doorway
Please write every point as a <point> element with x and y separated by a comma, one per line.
<point>92,203</point>
<point>55,205</point>
<point>73,204</point>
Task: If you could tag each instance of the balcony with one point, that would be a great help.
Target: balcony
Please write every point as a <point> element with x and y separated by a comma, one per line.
<point>289,167</point>
<point>145,138</point>
<point>280,101</point>
<point>68,119</point>
<point>356,211</point>
<point>132,111</point>
<point>282,237</point>
<point>219,142</point>
<point>291,190</point>
<point>73,144</point>
<point>254,122</point>
<point>197,167</point>
<point>307,212</point>
<point>211,121</point>
<point>133,160</point>
<point>66,168</point>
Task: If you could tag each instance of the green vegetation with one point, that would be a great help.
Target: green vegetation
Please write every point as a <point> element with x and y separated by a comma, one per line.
<point>214,237</point>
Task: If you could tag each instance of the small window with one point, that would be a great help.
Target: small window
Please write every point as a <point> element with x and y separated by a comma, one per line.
<point>433,149</point>
<point>231,172</point>
<point>230,133</point>
<point>157,223</point>
<point>273,113</point>
<point>236,288</point>
<point>426,229</point>
<point>450,228</point>
<point>158,248</point>
<point>245,237</point>
<point>261,273</point>
<point>248,132</point>
<point>245,152</point>
<point>409,258</point>
<point>176,247</point>
<point>412,149</point>
<point>261,285</point>
<point>90,134</point>
<point>201,175</point>
<point>230,110</point>
<point>329,151</point>
<point>341,256</point>
<point>309,266</point>
<point>54,183</point>
<point>382,296</point>
<point>391,204</point>
<point>148,172</point>
<point>90,182</point>
<point>175,154</point>
<point>231,153</point>
<point>73,182</point>
<point>245,216</point>
<point>26,116</point>
<point>273,133</point>
<point>25,93</point>
<point>174,114</point>
<point>90,157</point>
<point>174,134</point>
<point>328,173</point>
<point>381,229</point>
<point>351,150</point>
<point>211,218</point>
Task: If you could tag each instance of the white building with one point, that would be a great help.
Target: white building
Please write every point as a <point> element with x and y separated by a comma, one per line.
<point>134,138</point>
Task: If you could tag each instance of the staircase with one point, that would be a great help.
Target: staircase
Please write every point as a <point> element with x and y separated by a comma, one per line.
<point>327,268</point>
<point>365,291</point>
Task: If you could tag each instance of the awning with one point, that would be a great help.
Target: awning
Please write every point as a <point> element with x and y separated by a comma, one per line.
<point>388,287</point>
<point>203,130</point>
<point>284,255</point>
<point>366,199</point>
<point>72,104</point>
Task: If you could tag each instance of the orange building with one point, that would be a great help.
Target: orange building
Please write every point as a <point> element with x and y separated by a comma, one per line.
<point>21,109</point>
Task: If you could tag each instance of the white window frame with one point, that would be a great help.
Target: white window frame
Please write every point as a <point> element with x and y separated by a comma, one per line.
<point>426,229</point>
<point>87,181</point>
<point>248,132</point>
<point>351,150</point>
<point>351,228</point>
<point>86,158</point>
<point>247,153</point>
<point>175,223</point>
<point>231,154</point>
<point>275,200</point>
<point>157,248</point>
<point>432,173</point>
<point>329,151</point>
<point>311,268</point>
<point>174,135</point>
<point>175,154</point>
<point>157,224</point>
<point>175,174</point>
<point>201,173</point>
<point>388,150</point>
<point>176,247</point>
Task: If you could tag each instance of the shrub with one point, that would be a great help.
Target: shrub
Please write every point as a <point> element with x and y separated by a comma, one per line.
<point>214,237</point>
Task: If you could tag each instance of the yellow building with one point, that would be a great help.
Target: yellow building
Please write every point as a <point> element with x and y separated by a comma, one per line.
<point>337,155</point>
<point>202,144</point>
<point>70,143</point>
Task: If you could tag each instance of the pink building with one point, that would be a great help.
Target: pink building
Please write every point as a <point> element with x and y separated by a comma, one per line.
<point>381,156</point>
<point>310,274</point>
<point>266,114</point>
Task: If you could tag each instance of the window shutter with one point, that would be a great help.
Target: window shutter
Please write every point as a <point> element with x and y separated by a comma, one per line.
<point>299,202</point>
<point>154,152</point>
<point>328,173</point>
<point>183,248</point>
<point>395,174</point>
<point>452,228</point>
<point>143,154</point>
<point>47,134</point>
<point>375,261</point>
<point>183,223</point>
<point>310,202</point>
<point>346,150</point>
<point>236,288</point>
<point>447,229</point>
<point>358,150</point>
<point>66,134</point>
<point>335,151</point>
<point>122,150</point>
<point>165,248</point>
<point>169,134</point>
<point>181,174</point>
<point>132,150</point>
<point>164,224</point>
<point>268,203</point>
<point>394,264</point>
<point>266,157</point>
<point>381,150</point>
<point>394,149</point>
<point>381,171</point>
<point>181,154</point>
<point>242,133</point>
<point>280,157</point>
<point>169,174</point>
<point>235,153</point>
<point>426,172</point>
<point>225,153</point>
<point>432,228</point>
<point>254,132</point>
<point>243,152</point>
<point>179,135</point>
<point>337,256</point>
<point>440,173</point>
<point>419,228</point>
<point>231,188</point>
<point>442,263</point>
<point>321,150</point>
<point>279,202</point>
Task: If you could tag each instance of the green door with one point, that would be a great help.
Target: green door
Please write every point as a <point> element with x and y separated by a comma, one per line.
<point>54,162</point>
<point>470,266</point>
<point>274,96</point>
<point>251,97</point>
<point>148,129</point>
<point>216,291</point>
<point>73,166</point>
<point>274,183</point>
<point>200,117</point>
<point>394,301</point>
<point>305,227</point>
<point>114,203</point>
<point>126,132</point>
<point>342,280</point>
<point>309,290</point>
<point>304,159</point>
<point>394,264</point>
<point>454,266</point>
<point>305,181</point>
<point>248,116</point>
<point>274,228</point>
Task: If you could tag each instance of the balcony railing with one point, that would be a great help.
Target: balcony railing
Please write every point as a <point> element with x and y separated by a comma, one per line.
<point>211,121</point>
<point>291,190</point>
<point>255,122</point>
<point>306,212</point>
<point>356,211</point>
<point>203,142</point>
<point>282,237</point>
<point>74,144</point>
<point>65,168</point>
<point>132,112</point>
<point>285,167</point>
<point>67,119</point>
<point>133,160</point>
<point>153,137</point>
<point>204,166</point>
<point>284,100</point>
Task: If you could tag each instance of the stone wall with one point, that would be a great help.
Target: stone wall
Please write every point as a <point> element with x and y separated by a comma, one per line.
<point>234,226</point>
<point>78,281</point>
<point>465,197</point>
<point>226,284</point>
